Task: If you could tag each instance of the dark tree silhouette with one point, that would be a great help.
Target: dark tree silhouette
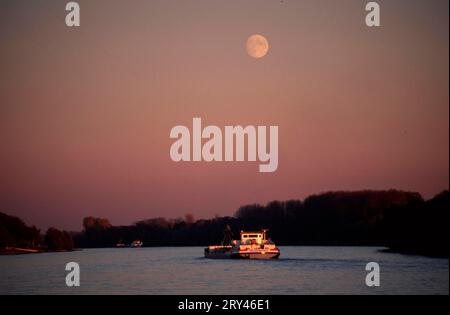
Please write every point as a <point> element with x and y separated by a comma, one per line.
<point>420,228</point>
<point>57,240</point>
<point>14,233</point>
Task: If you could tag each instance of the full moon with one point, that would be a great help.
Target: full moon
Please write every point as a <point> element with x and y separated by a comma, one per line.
<point>257,46</point>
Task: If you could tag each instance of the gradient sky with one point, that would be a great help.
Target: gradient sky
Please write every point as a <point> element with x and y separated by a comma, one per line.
<point>85,113</point>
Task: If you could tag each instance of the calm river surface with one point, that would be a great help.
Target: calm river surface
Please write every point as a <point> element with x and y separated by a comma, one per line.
<point>300,270</point>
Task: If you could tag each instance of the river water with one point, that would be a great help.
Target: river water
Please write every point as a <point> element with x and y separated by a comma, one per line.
<point>300,270</point>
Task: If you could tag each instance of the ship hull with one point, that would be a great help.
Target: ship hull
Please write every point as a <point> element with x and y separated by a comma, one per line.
<point>255,255</point>
<point>218,252</point>
<point>232,254</point>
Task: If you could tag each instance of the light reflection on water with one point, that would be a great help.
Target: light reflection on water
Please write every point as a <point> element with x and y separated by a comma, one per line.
<point>300,270</point>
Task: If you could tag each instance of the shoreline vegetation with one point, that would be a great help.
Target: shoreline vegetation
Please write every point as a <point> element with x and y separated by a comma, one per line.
<point>403,222</point>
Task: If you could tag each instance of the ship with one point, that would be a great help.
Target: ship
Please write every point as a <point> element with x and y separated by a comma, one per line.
<point>121,244</point>
<point>136,243</point>
<point>251,245</point>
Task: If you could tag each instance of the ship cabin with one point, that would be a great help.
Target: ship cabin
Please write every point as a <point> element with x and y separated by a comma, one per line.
<point>258,238</point>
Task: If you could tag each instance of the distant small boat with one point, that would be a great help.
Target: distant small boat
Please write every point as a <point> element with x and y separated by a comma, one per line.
<point>252,245</point>
<point>121,244</point>
<point>137,243</point>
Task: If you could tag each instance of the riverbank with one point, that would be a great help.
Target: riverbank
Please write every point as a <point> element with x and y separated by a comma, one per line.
<point>23,251</point>
<point>418,252</point>
<point>18,251</point>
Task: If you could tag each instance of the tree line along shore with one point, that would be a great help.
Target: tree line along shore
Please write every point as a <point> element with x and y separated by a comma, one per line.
<point>400,221</point>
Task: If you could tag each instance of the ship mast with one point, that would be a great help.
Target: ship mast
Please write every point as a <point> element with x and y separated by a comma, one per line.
<point>227,236</point>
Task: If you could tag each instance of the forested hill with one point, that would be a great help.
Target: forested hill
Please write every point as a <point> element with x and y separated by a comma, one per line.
<point>402,221</point>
